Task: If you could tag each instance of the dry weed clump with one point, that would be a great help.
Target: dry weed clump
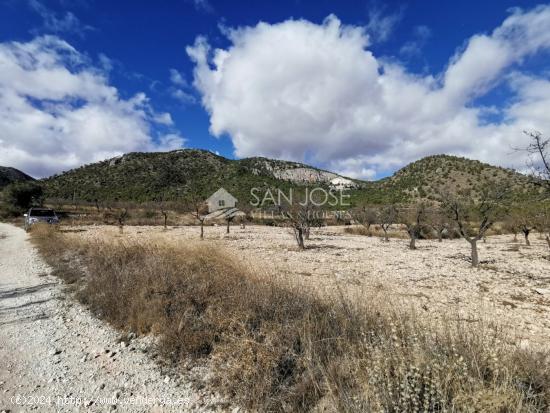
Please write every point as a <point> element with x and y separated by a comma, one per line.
<point>65,257</point>
<point>276,347</point>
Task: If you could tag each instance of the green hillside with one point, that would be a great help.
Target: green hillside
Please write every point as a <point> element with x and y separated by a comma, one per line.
<point>172,175</point>
<point>9,175</point>
<point>432,175</point>
<point>176,175</point>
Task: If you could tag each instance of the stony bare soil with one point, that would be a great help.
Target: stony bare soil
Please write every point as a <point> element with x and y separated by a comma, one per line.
<point>55,356</point>
<point>510,289</point>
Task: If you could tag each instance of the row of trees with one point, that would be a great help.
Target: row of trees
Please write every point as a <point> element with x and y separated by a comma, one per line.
<point>469,215</point>
<point>464,215</point>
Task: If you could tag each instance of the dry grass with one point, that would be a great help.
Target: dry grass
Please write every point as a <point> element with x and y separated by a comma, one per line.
<point>375,231</point>
<point>276,347</point>
<point>395,232</point>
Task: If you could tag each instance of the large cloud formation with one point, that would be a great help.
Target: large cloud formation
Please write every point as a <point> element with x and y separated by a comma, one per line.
<point>57,111</point>
<point>312,92</point>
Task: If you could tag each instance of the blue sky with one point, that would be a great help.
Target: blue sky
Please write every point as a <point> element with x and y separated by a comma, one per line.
<point>145,52</point>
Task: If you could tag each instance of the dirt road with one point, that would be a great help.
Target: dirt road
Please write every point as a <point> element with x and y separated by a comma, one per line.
<point>55,356</point>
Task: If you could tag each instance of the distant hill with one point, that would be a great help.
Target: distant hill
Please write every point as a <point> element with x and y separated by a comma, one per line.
<point>141,177</point>
<point>9,175</point>
<point>432,175</point>
<point>174,175</point>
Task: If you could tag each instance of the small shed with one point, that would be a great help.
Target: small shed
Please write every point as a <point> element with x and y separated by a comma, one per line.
<point>221,199</point>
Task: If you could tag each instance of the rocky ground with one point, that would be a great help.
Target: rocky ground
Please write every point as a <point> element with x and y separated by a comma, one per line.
<point>511,288</point>
<point>55,356</point>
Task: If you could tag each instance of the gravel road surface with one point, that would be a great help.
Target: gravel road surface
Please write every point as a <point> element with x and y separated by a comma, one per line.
<point>55,356</point>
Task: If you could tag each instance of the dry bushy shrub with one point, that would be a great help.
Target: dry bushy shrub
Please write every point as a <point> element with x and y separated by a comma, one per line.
<point>274,347</point>
<point>64,257</point>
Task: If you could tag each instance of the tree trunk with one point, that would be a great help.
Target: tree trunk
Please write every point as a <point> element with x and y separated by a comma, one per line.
<point>516,237</point>
<point>202,229</point>
<point>526,234</point>
<point>475,256</point>
<point>412,243</point>
<point>306,233</point>
<point>300,238</point>
<point>227,231</point>
<point>165,221</point>
<point>440,236</point>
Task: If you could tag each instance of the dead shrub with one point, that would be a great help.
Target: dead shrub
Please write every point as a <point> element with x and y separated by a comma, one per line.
<point>276,347</point>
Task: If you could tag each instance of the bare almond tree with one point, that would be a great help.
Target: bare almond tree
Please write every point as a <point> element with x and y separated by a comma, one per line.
<point>414,218</point>
<point>247,211</point>
<point>198,209</point>
<point>522,217</point>
<point>511,225</point>
<point>438,221</point>
<point>300,217</point>
<point>229,219</point>
<point>121,216</point>
<point>116,214</point>
<point>387,216</point>
<point>163,206</point>
<point>474,217</point>
<point>539,147</point>
<point>542,222</point>
<point>164,212</point>
<point>365,216</point>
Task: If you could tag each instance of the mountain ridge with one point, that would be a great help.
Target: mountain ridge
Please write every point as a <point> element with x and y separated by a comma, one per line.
<point>150,176</point>
<point>146,176</point>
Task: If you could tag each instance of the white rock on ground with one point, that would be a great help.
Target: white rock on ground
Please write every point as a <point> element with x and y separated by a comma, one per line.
<point>51,349</point>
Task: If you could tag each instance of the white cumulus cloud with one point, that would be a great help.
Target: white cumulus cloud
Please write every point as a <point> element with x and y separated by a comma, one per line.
<point>315,92</point>
<point>58,112</point>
